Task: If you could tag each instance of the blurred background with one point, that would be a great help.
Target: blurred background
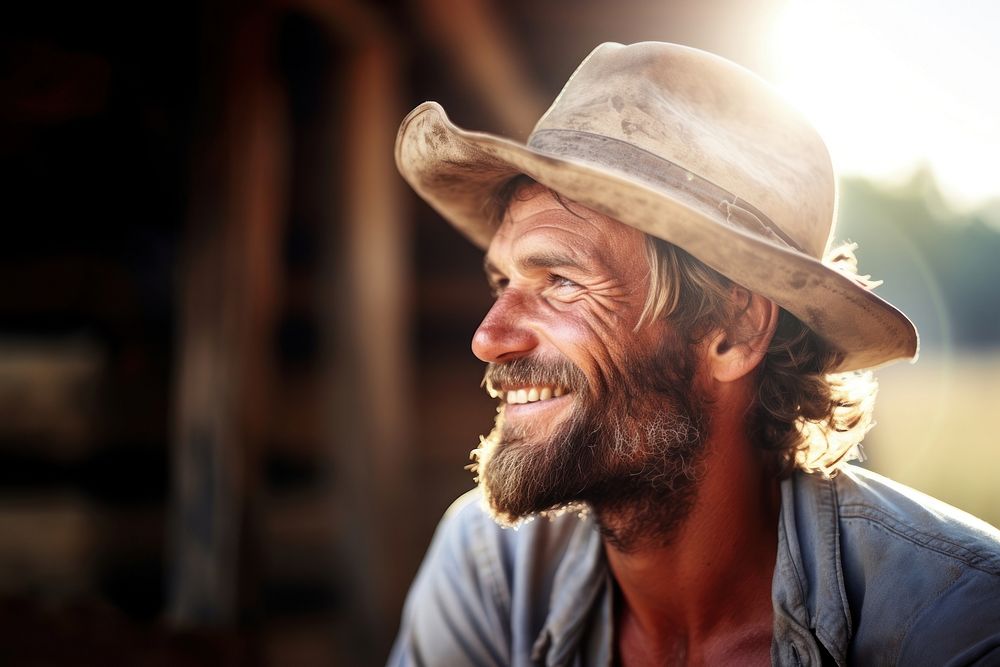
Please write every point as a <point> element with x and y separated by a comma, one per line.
<point>236,391</point>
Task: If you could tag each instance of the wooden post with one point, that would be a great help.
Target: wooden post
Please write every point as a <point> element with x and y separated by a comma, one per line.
<point>471,35</point>
<point>228,282</point>
<point>373,374</point>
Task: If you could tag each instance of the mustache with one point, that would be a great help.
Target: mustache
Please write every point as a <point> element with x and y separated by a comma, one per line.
<point>527,371</point>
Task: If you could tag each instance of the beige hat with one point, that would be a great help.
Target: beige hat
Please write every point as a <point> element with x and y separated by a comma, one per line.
<point>687,147</point>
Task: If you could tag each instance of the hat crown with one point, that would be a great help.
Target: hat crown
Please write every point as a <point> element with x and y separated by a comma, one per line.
<point>686,147</point>
<point>712,118</point>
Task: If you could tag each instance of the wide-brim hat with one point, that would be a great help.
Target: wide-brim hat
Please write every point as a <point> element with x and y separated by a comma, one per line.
<point>690,148</point>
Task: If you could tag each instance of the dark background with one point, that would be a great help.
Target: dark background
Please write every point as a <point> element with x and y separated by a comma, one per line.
<point>235,386</point>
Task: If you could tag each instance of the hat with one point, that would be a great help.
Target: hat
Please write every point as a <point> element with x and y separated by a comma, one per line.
<point>690,148</point>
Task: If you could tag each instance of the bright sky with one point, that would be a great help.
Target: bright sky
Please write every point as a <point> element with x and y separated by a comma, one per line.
<point>891,84</point>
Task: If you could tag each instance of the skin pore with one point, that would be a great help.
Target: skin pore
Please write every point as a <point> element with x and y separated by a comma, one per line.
<point>570,288</point>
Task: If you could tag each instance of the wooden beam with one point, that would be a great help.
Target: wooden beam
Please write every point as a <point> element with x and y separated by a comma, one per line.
<point>471,35</point>
<point>371,323</point>
<point>229,282</point>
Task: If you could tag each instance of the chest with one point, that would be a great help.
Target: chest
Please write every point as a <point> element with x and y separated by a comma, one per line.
<point>749,644</point>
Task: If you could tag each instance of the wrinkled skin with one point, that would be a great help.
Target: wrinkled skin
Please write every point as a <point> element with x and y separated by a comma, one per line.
<point>625,438</point>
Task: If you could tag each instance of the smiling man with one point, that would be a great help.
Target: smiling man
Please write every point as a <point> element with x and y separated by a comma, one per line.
<point>680,363</point>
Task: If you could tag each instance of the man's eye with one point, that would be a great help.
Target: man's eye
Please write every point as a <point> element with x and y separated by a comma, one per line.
<point>497,287</point>
<point>559,281</point>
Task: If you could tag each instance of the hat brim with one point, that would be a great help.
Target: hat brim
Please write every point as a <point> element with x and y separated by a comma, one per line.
<point>459,172</point>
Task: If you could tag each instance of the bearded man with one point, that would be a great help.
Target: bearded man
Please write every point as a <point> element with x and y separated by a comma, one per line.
<point>683,371</point>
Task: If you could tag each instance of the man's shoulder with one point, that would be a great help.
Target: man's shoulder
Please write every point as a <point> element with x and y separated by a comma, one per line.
<point>468,520</point>
<point>868,501</point>
<point>469,543</point>
<point>532,553</point>
<point>922,578</point>
<point>484,593</point>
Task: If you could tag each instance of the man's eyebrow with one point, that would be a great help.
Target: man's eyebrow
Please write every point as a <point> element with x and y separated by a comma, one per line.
<point>538,260</point>
<point>550,260</point>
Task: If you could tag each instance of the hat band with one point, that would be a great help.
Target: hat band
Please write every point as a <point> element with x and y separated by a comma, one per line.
<point>633,161</point>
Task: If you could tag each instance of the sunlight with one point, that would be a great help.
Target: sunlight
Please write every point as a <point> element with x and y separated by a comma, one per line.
<point>893,85</point>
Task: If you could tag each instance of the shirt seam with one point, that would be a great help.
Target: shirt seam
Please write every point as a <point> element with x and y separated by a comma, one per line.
<point>920,538</point>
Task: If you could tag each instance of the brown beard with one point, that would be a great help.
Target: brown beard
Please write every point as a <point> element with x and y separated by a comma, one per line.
<point>630,452</point>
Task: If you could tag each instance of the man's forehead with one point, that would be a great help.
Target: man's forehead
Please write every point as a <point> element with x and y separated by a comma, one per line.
<point>539,222</point>
<point>534,205</point>
<point>544,242</point>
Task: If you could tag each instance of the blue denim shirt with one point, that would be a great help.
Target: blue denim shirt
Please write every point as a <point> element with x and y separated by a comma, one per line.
<point>868,572</point>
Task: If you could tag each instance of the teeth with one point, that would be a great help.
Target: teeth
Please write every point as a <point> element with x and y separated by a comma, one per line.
<point>531,394</point>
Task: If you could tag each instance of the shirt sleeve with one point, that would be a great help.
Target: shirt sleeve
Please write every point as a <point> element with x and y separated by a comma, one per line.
<point>457,610</point>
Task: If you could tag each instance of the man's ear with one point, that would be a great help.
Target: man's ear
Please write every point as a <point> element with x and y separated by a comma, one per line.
<point>736,350</point>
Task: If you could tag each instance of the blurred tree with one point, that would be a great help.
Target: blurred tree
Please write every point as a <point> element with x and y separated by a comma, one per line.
<point>939,266</point>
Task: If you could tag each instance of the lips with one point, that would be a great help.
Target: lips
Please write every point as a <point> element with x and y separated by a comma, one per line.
<point>532,381</point>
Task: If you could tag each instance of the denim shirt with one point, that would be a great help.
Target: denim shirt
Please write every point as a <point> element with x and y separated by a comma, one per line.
<point>868,572</point>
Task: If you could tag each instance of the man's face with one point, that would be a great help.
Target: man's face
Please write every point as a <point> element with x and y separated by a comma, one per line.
<point>592,410</point>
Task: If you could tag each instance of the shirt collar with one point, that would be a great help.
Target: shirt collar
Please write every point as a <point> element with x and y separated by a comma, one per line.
<point>812,617</point>
<point>808,593</point>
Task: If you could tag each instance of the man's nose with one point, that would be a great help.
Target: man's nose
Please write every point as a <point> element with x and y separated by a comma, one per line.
<point>503,334</point>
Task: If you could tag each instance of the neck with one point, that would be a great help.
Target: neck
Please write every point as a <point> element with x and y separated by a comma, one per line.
<point>710,583</point>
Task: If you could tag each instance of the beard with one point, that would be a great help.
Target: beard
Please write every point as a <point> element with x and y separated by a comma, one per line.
<point>631,451</point>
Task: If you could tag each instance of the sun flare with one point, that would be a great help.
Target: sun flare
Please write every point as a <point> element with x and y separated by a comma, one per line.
<point>894,85</point>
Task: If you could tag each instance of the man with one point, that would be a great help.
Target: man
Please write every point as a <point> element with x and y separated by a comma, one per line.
<point>679,366</point>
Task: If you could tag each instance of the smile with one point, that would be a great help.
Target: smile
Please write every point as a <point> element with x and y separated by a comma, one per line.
<point>528,394</point>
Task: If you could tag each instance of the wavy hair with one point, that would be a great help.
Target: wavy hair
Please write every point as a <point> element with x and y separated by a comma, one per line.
<point>803,415</point>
